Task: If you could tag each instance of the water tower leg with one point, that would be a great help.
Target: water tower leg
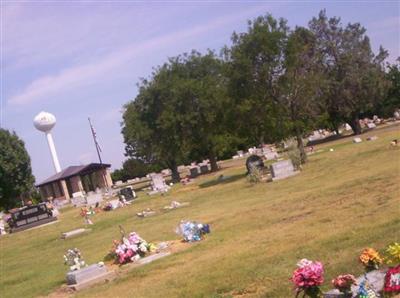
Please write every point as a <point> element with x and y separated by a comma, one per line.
<point>53,152</point>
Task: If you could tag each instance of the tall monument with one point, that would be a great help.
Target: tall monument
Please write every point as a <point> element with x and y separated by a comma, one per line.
<point>45,122</point>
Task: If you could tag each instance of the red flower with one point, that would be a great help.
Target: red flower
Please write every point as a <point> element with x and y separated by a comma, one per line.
<point>311,275</point>
<point>392,280</point>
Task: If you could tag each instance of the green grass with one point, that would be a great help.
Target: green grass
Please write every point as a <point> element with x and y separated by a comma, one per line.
<point>340,203</point>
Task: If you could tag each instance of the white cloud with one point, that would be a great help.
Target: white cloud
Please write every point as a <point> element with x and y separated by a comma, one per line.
<point>80,75</point>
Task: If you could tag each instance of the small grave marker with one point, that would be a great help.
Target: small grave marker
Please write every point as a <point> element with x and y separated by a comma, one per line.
<point>73,233</point>
<point>357,140</point>
<point>88,276</point>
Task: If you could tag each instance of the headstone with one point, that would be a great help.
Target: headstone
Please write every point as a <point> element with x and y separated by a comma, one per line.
<point>78,194</point>
<point>271,155</point>
<point>2,227</point>
<point>93,199</point>
<point>203,168</point>
<point>282,169</point>
<point>396,115</point>
<point>166,172</point>
<point>128,193</point>
<point>240,153</point>
<point>78,201</point>
<point>372,138</point>
<point>194,171</point>
<point>259,151</point>
<point>254,161</point>
<point>30,216</point>
<point>357,140</point>
<point>371,125</point>
<point>158,184</point>
<point>73,233</point>
<point>84,275</point>
<point>119,182</point>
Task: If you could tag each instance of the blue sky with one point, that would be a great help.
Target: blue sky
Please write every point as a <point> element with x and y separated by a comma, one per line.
<point>80,59</point>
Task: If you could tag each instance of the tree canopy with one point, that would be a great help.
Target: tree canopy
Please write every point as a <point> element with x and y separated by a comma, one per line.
<point>354,76</point>
<point>270,84</point>
<point>15,170</point>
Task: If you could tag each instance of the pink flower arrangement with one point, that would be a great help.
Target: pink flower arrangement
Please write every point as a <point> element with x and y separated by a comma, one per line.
<point>344,282</point>
<point>308,277</point>
<point>130,249</point>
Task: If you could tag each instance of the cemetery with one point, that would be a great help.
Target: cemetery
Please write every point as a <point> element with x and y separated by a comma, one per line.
<point>264,163</point>
<point>329,211</point>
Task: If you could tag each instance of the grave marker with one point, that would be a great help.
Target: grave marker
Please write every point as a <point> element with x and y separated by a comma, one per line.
<point>282,169</point>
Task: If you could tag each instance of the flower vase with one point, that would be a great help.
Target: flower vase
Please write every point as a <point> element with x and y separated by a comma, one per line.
<point>347,294</point>
<point>313,292</point>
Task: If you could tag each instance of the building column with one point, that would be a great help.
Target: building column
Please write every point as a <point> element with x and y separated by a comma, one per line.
<point>65,190</point>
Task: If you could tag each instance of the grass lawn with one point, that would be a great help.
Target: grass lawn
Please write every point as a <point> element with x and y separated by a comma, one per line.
<point>340,203</point>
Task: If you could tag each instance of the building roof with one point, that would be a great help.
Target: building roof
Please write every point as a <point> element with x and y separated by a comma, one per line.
<point>74,171</point>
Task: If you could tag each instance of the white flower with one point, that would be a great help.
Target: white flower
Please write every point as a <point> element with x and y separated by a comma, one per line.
<point>303,263</point>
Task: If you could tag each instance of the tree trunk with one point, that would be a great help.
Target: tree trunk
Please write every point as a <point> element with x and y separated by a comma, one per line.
<point>300,145</point>
<point>175,174</point>
<point>355,125</point>
<point>213,162</point>
<point>336,129</point>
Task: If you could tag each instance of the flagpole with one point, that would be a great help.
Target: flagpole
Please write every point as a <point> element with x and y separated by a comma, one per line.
<point>95,140</point>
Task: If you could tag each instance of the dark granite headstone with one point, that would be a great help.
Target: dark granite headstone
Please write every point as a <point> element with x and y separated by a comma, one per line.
<point>194,171</point>
<point>254,161</point>
<point>128,193</point>
<point>203,168</point>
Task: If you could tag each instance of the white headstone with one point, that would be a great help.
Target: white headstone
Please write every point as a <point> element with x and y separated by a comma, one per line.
<point>158,183</point>
<point>357,140</point>
<point>282,169</point>
<point>93,199</point>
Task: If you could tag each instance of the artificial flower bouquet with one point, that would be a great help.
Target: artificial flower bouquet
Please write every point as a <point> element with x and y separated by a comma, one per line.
<point>308,277</point>
<point>392,278</point>
<point>370,258</point>
<point>344,282</point>
<point>393,254</point>
<point>131,248</point>
<point>192,231</point>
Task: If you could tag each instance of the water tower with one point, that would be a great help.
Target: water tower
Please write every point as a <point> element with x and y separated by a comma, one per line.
<point>45,122</point>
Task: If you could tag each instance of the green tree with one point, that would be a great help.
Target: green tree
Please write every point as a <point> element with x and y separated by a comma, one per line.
<point>179,113</point>
<point>391,102</point>
<point>355,77</point>
<point>300,86</point>
<point>255,63</point>
<point>204,106</point>
<point>152,128</point>
<point>15,170</point>
<point>132,168</point>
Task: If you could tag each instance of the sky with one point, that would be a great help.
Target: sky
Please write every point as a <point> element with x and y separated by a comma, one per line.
<point>80,59</point>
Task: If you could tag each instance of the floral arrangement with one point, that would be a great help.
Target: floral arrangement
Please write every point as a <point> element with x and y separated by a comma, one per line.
<point>308,277</point>
<point>73,259</point>
<point>192,231</point>
<point>392,280</point>
<point>370,258</point>
<point>131,248</point>
<point>393,254</point>
<point>344,282</point>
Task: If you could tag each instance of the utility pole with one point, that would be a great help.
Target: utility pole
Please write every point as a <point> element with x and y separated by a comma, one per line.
<point>98,149</point>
